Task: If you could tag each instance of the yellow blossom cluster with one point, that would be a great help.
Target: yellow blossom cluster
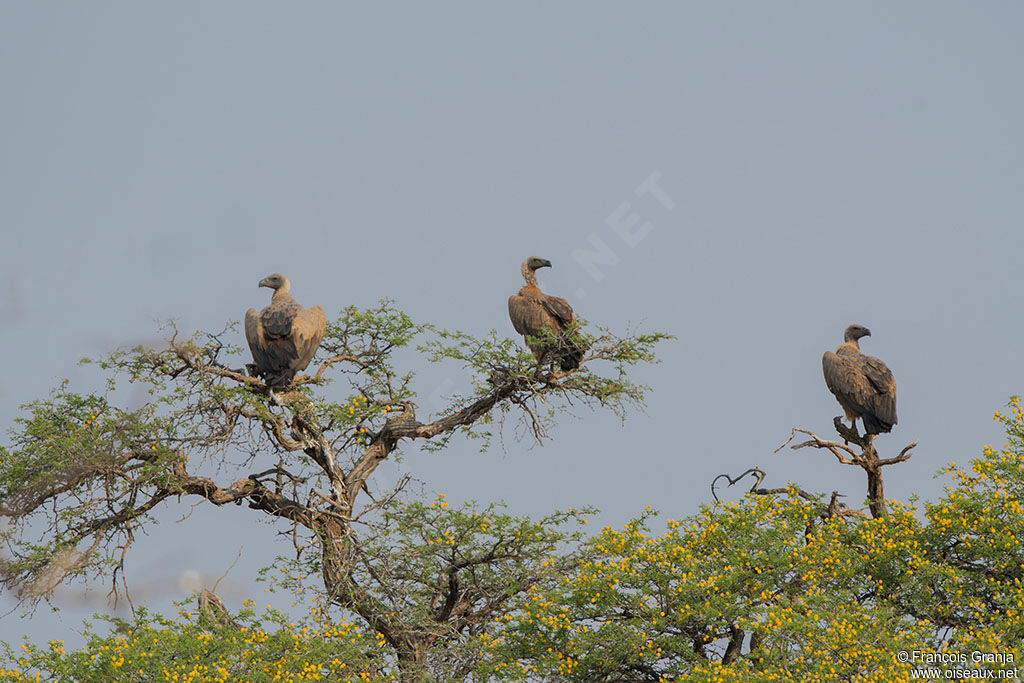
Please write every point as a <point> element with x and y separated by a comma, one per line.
<point>808,597</point>
<point>193,652</point>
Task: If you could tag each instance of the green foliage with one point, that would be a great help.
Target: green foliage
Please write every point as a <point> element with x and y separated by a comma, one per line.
<point>69,445</point>
<point>71,434</point>
<point>83,475</point>
<point>543,393</point>
<point>447,573</point>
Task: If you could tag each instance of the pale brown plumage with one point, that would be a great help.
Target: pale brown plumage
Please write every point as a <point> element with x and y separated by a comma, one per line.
<point>863,385</point>
<point>283,336</point>
<point>536,314</point>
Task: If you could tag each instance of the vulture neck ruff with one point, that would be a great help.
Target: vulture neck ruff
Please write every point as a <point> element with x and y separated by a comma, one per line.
<point>531,292</point>
<point>849,348</point>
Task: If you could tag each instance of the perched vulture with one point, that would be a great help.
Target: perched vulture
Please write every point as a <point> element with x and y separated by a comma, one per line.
<point>535,314</point>
<point>863,385</point>
<point>283,337</point>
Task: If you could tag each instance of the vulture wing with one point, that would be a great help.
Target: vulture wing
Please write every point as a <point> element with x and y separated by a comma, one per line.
<point>537,316</point>
<point>846,380</point>
<point>864,387</point>
<point>561,313</point>
<point>559,309</point>
<point>532,320</point>
<point>307,331</point>
<point>254,335</point>
<point>883,404</point>
<point>528,316</point>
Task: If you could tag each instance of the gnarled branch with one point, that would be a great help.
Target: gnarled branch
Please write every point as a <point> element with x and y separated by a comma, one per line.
<point>866,458</point>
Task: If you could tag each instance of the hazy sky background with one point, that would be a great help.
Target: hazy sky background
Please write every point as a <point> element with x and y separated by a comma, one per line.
<point>827,164</point>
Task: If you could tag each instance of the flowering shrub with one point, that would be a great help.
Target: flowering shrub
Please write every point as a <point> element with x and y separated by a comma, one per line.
<point>764,589</point>
<point>251,647</point>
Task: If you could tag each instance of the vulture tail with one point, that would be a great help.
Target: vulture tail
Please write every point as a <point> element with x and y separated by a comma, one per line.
<point>571,356</point>
<point>279,378</point>
<point>874,425</point>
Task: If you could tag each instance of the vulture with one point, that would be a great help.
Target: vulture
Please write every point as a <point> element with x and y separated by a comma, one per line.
<point>283,336</point>
<point>863,385</point>
<point>536,314</point>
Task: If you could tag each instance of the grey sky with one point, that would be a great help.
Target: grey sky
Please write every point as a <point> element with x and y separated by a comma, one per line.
<point>828,164</point>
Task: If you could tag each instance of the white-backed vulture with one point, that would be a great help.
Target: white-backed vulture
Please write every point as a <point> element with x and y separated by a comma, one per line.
<point>283,336</point>
<point>863,385</point>
<point>536,314</point>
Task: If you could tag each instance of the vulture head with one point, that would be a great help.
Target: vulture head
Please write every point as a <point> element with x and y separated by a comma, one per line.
<point>530,265</point>
<point>535,262</point>
<point>855,332</point>
<point>276,282</point>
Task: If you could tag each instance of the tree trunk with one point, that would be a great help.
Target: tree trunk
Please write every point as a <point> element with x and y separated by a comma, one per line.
<point>411,664</point>
<point>876,488</point>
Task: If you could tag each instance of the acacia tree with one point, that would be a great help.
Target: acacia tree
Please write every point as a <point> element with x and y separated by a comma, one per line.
<point>83,476</point>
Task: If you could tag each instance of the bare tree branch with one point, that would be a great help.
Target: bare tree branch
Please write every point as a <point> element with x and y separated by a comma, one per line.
<point>866,458</point>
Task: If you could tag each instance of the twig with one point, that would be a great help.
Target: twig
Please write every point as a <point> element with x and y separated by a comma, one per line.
<point>732,480</point>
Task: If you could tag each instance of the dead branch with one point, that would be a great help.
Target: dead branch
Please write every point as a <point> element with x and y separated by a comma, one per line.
<point>832,509</point>
<point>903,456</point>
<point>866,458</point>
<point>732,480</point>
<point>818,442</point>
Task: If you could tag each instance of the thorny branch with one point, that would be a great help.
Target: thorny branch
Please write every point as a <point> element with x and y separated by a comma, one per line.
<point>302,431</point>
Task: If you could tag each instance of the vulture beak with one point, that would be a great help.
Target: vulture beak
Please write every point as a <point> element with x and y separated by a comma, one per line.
<point>867,332</point>
<point>544,263</point>
<point>265,282</point>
